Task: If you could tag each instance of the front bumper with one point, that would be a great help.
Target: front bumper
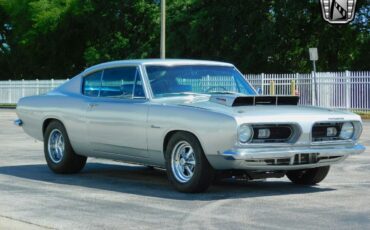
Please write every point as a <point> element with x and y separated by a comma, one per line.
<point>285,158</point>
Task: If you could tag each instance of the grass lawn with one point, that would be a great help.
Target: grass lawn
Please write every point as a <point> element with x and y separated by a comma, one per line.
<point>364,115</point>
<point>7,106</point>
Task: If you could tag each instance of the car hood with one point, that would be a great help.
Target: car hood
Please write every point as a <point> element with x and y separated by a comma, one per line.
<point>270,113</point>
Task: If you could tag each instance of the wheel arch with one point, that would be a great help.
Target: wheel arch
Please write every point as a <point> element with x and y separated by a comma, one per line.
<point>47,121</point>
<point>170,134</point>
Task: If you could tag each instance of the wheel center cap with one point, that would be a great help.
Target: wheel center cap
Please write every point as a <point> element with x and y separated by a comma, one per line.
<point>182,161</point>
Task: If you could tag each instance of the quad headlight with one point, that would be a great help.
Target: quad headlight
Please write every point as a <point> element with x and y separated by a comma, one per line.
<point>347,131</point>
<point>245,133</point>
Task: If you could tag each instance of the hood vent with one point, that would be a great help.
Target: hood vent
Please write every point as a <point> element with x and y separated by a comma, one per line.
<point>235,100</point>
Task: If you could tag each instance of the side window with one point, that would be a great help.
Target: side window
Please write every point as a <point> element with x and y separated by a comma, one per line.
<point>122,82</point>
<point>91,84</point>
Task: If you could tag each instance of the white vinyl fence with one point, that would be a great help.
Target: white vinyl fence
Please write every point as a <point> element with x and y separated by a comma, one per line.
<point>342,90</point>
<point>11,91</point>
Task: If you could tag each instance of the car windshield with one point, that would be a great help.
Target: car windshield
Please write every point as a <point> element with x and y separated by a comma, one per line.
<point>181,80</point>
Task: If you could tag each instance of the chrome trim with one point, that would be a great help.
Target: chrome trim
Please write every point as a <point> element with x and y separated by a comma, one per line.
<point>289,139</point>
<point>250,138</point>
<point>103,68</point>
<point>183,162</point>
<point>242,158</point>
<point>295,136</point>
<point>356,134</point>
<point>56,146</point>
<point>18,122</point>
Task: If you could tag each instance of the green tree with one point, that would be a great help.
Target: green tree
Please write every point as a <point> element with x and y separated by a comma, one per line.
<point>267,36</point>
<point>59,38</point>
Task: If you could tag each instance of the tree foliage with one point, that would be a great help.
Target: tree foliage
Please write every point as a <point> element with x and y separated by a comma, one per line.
<point>59,38</point>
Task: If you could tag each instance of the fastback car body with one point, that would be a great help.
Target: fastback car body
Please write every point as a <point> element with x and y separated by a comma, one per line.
<point>188,116</point>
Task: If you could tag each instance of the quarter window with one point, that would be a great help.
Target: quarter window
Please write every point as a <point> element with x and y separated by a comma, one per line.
<point>123,82</point>
<point>91,84</point>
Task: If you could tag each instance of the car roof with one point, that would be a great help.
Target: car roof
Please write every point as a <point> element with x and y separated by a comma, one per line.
<point>155,62</point>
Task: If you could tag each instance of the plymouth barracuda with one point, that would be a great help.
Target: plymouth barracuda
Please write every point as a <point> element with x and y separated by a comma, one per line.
<point>196,119</point>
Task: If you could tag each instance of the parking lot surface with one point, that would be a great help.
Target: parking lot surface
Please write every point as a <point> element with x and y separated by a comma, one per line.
<point>112,195</point>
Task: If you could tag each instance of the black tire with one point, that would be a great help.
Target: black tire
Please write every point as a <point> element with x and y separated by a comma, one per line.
<point>308,176</point>
<point>70,162</point>
<point>203,172</point>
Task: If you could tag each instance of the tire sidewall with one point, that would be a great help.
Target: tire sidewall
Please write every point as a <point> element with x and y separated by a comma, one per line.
<point>68,151</point>
<point>201,166</point>
<point>309,176</point>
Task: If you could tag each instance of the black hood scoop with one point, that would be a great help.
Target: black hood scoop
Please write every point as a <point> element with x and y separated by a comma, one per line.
<point>237,100</point>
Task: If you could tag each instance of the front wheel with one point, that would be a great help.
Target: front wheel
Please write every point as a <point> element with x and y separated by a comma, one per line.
<point>59,153</point>
<point>308,176</point>
<point>187,167</point>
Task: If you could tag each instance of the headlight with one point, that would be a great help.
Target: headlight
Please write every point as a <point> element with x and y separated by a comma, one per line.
<point>347,131</point>
<point>245,133</point>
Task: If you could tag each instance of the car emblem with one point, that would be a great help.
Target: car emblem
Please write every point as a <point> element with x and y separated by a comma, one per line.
<point>338,11</point>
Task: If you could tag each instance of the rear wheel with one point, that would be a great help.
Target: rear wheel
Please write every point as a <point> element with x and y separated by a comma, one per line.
<point>187,167</point>
<point>59,154</point>
<point>308,176</point>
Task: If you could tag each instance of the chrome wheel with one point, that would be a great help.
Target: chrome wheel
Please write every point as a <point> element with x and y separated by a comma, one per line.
<point>56,146</point>
<point>183,161</point>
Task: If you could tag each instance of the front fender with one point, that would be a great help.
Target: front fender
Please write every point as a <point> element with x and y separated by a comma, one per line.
<point>214,130</point>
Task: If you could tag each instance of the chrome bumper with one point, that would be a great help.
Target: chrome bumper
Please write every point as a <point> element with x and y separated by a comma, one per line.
<point>18,122</point>
<point>288,158</point>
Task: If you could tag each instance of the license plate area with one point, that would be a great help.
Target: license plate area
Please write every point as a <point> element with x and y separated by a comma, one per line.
<point>306,158</point>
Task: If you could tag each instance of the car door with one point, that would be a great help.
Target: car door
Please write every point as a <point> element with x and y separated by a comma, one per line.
<point>116,119</point>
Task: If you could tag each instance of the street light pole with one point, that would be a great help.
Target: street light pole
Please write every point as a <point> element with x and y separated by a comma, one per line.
<point>163,29</point>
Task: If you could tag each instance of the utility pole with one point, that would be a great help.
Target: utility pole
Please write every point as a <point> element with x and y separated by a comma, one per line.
<point>163,29</point>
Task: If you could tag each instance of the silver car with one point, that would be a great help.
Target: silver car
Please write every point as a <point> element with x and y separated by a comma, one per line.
<point>197,119</point>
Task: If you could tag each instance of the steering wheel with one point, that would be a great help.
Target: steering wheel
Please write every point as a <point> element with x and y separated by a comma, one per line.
<point>210,89</point>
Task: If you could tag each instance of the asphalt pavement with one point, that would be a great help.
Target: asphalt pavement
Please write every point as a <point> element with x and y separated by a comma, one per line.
<point>113,195</point>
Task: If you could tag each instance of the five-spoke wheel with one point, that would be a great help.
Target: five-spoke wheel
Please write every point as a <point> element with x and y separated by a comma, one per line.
<point>56,146</point>
<point>183,161</point>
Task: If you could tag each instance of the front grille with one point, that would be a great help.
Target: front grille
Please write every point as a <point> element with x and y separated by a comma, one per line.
<point>319,131</point>
<point>298,159</point>
<point>279,133</point>
<point>306,158</point>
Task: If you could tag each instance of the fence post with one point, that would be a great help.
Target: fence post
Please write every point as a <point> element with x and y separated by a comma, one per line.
<point>313,102</point>
<point>348,90</point>
<point>292,88</point>
<point>262,83</point>
<point>23,87</point>
<point>297,81</point>
<point>272,88</point>
<point>10,92</point>
<point>52,83</point>
<point>37,87</point>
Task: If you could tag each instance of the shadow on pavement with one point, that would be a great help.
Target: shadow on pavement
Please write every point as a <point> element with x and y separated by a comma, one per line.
<point>143,181</point>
